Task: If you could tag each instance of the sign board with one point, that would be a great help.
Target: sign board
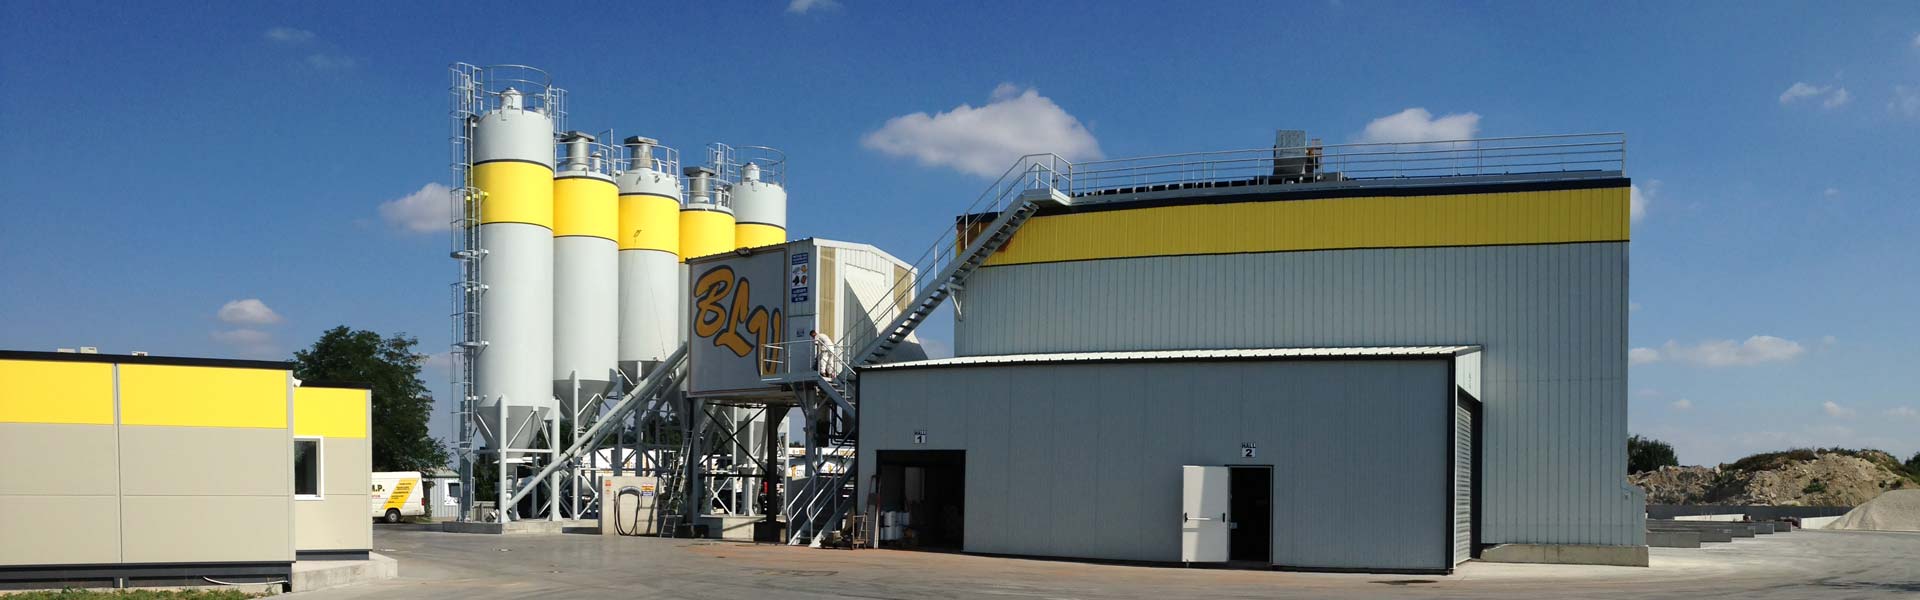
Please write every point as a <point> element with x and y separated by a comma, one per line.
<point>920,436</point>
<point>737,308</point>
<point>1248,450</point>
<point>798,278</point>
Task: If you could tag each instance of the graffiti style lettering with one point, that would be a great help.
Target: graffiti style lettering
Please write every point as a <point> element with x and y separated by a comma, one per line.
<point>725,314</point>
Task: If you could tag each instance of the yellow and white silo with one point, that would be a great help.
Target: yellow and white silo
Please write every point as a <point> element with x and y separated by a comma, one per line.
<point>649,238</point>
<point>512,154</point>
<point>586,220</point>
<point>759,197</point>
<point>706,222</point>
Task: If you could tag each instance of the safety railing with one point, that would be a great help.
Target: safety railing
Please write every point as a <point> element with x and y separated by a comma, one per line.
<point>796,359</point>
<point>1544,155</point>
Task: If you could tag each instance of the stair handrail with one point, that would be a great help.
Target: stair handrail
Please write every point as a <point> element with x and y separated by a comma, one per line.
<point>650,386</point>
<point>1033,171</point>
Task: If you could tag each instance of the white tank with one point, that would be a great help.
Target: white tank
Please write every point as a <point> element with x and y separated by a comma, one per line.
<point>757,192</point>
<point>649,238</point>
<point>513,169</point>
<point>585,270</point>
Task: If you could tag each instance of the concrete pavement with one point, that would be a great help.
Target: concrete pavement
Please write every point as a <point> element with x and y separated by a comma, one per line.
<point>1840,564</point>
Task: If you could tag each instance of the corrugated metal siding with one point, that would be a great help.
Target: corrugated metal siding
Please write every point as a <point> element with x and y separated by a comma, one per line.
<point>1552,320</point>
<point>1462,484</point>
<point>1083,460</point>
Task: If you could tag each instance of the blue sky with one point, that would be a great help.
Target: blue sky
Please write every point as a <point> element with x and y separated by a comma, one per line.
<point>159,165</point>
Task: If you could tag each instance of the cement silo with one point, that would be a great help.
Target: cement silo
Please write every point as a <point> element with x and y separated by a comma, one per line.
<point>649,238</point>
<point>512,171</point>
<point>585,270</point>
<point>756,177</point>
<point>706,222</point>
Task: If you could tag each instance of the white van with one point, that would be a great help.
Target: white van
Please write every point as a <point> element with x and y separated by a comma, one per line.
<point>395,495</point>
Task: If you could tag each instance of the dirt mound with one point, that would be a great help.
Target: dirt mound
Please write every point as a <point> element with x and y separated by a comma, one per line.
<point>1897,510</point>
<point>1791,478</point>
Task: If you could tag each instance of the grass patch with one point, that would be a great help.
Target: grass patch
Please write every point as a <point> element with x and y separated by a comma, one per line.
<point>72,594</point>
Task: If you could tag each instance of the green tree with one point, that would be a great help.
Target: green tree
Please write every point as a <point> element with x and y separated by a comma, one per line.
<point>1913,466</point>
<point>1647,454</point>
<point>401,404</point>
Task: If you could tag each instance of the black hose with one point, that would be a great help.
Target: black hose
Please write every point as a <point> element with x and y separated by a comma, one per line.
<point>617,496</point>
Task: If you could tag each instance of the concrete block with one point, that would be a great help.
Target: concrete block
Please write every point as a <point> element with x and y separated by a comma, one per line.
<point>1702,533</point>
<point>1719,518</point>
<point>310,575</point>
<point>1762,527</point>
<point>1673,539</point>
<point>1818,522</point>
<point>1567,554</point>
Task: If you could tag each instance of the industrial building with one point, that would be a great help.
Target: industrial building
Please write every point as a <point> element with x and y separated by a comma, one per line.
<point>1374,357</point>
<point>1386,358</point>
<point>146,470</point>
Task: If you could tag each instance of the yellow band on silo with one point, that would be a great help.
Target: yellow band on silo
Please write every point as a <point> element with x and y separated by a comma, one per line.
<point>755,235</point>
<point>649,222</point>
<point>705,232</point>
<point>586,206</point>
<point>516,192</point>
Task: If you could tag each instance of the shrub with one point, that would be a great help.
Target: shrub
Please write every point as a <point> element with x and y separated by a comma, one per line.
<point>1647,454</point>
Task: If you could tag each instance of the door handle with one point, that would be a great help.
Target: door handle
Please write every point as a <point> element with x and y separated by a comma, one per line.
<point>1184,517</point>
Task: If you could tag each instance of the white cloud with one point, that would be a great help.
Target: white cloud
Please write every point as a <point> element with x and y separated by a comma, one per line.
<point>1904,412</point>
<point>1641,356</point>
<point>1418,125</point>
<point>1835,410</point>
<point>986,140</point>
<point>1916,40</point>
<point>1838,98</point>
<point>439,361</point>
<point>1828,341</point>
<point>1800,89</point>
<point>330,62</point>
<point>1721,353</point>
<point>249,311</point>
<point>801,7</point>
<point>1831,192</point>
<point>427,210</point>
<point>289,35</point>
<point>1906,101</point>
<point>1830,96</point>
<point>1683,404</point>
<point>1638,198</point>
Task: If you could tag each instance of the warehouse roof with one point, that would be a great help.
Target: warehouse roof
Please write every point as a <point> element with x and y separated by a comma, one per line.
<point>1371,352</point>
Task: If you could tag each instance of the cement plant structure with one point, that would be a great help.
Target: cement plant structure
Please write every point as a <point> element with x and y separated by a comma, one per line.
<point>1370,357</point>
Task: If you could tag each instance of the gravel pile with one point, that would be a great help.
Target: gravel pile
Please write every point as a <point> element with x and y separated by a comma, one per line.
<point>1896,510</point>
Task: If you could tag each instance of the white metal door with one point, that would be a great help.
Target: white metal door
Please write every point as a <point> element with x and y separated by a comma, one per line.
<point>1203,518</point>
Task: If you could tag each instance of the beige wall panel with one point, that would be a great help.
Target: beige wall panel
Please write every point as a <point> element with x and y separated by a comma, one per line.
<point>51,459</point>
<point>349,465</point>
<point>206,461</point>
<point>171,529</point>
<point>337,523</point>
<point>59,530</point>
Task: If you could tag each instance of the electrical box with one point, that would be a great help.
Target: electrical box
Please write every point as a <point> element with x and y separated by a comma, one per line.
<point>628,505</point>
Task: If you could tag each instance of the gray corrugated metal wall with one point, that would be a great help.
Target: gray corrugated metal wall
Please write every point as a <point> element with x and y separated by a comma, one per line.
<point>1084,460</point>
<point>1552,319</point>
<point>1462,484</point>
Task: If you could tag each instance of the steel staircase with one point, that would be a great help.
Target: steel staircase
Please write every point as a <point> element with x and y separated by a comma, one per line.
<point>1032,183</point>
<point>651,395</point>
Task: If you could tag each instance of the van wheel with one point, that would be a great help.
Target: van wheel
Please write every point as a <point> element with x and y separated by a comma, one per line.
<point>393,516</point>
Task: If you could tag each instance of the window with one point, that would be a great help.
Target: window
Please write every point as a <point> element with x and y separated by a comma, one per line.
<point>306,469</point>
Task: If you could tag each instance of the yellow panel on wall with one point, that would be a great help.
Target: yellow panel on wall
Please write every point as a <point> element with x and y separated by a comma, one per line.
<point>1485,219</point>
<point>649,222</point>
<point>37,391</point>
<point>516,192</point>
<point>330,412</point>
<point>202,396</point>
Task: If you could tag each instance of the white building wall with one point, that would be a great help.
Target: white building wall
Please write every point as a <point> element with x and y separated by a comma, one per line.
<point>1551,318</point>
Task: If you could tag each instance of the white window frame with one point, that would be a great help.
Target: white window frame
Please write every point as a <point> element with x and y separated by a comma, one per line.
<point>319,468</point>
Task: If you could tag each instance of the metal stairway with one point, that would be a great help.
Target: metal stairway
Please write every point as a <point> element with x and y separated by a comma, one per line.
<point>1032,183</point>
<point>651,395</point>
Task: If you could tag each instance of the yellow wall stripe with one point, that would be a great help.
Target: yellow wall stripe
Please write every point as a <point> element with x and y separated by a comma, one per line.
<point>755,235</point>
<point>202,396</point>
<point>1534,217</point>
<point>586,206</point>
<point>705,232</point>
<point>649,222</point>
<point>330,412</point>
<point>516,192</point>
<point>34,391</point>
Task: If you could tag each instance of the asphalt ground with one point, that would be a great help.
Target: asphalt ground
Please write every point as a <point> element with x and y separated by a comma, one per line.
<point>1802,564</point>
